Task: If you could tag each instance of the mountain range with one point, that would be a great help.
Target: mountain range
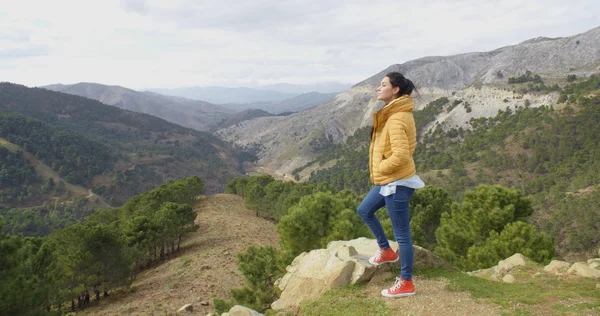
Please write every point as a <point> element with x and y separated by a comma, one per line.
<point>199,115</point>
<point>481,78</point>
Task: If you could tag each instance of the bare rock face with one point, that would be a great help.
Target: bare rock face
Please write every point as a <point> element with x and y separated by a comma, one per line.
<point>286,143</point>
<point>342,262</point>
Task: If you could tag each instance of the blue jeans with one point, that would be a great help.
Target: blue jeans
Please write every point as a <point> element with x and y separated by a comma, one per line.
<point>397,207</point>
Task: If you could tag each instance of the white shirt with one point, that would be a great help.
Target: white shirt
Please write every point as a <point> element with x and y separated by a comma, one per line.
<point>413,182</point>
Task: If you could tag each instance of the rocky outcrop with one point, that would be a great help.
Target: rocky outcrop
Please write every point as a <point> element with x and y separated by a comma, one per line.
<point>341,263</point>
<point>557,266</point>
<point>504,270</point>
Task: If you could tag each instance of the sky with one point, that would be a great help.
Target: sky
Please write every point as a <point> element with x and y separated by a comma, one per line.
<point>144,44</point>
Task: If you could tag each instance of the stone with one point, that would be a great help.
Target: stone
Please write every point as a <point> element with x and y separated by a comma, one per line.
<point>582,269</point>
<point>204,303</point>
<point>509,278</point>
<point>239,310</point>
<point>505,266</point>
<point>185,309</point>
<point>594,265</point>
<point>381,277</point>
<point>557,266</point>
<point>341,263</point>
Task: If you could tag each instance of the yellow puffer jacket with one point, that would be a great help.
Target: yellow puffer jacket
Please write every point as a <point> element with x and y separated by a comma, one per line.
<point>393,142</point>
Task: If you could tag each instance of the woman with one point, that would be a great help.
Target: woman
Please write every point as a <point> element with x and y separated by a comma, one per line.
<point>393,175</point>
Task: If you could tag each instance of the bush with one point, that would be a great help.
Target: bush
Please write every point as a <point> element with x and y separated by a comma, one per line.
<point>515,237</point>
<point>485,210</point>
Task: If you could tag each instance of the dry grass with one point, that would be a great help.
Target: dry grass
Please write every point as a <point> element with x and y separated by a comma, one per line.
<point>205,268</point>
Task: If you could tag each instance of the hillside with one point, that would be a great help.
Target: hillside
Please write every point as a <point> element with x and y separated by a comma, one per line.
<point>205,268</point>
<point>547,152</point>
<point>225,95</point>
<point>199,115</point>
<point>114,152</point>
<point>294,104</point>
<point>479,78</point>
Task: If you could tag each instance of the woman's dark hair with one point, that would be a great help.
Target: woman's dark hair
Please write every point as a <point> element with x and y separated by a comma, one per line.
<point>398,80</point>
<point>406,86</point>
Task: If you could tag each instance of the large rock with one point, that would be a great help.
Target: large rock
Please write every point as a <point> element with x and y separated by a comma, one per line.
<point>342,262</point>
<point>504,268</point>
<point>506,265</point>
<point>239,310</point>
<point>582,269</point>
<point>557,266</point>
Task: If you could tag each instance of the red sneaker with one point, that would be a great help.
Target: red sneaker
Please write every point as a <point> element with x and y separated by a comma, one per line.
<point>384,256</point>
<point>400,288</point>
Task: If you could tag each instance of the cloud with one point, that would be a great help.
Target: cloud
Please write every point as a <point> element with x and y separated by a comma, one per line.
<point>151,43</point>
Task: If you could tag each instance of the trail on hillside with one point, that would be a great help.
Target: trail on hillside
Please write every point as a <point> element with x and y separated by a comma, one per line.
<point>46,172</point>
<point>205,268</point>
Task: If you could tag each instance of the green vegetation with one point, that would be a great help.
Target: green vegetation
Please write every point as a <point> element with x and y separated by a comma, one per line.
<point>74,157</point>
<point>261,266</point>
<point>429,113</point>
<point>105,252</point>
<point>543,294</point>
<point>527,77</point>
<point>347,300</point>
<point>543,152</point>
<point>489,226</point>
<point>40,221</point>
<point>119,153</point>
<point>18,179</point>
<point>486,227</point>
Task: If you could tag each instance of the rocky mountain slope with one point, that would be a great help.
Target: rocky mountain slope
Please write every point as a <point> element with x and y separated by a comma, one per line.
<point>286,143</point>
<point>199,115</point>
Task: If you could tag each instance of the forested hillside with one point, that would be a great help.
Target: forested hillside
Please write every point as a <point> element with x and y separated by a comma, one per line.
<point>71,266</point>
<point>549,153</point>
<point>114,152</point>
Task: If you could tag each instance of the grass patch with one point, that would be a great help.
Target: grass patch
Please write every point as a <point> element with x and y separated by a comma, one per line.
<point>347,300</point>
<point>173,284</point>
<point>546,292</point>
<point>185,261</point>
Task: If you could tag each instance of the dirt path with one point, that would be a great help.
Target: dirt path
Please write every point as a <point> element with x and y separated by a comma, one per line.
<point>205,268</point>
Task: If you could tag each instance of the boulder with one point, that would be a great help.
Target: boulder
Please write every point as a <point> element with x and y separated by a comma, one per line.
<point>509,278</point>
<point>557,266</point>
<point>341,263</point>
<point>504,266</point>
<point>239,310</point>
<point>582,269</point>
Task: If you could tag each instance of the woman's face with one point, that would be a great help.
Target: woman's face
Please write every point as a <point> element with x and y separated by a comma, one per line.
<point>386,92</point>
